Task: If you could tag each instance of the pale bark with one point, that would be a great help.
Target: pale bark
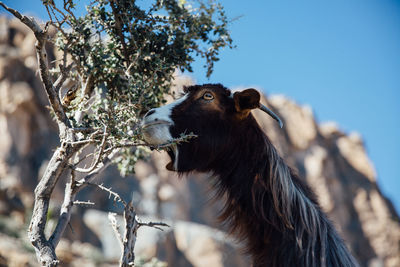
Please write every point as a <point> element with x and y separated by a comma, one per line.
<point>45,249</point>
<point>59,162</point>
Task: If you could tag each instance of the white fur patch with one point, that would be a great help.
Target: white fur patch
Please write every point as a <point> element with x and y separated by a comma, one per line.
<point>157,134</point>
<point>155,127</point>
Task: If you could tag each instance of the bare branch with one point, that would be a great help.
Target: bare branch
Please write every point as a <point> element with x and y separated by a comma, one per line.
<point>71,191</point>
<point>131,226</point>
<point>45,249</point>
<point>82,159</point>
<point>30,22</point>
<point>154,225</point>
<point>100,154</point>
<point>48,13</point>
<point>41,38</point>
<point>58,10</point>
<point>63,76</point>
<point>84,130</point>
<point>83,142</point>
<point>86,91</point>
<point>183,138</point>
<point>113,194</point>
<point>50,90</point>
<point>87,203</point>
<point>65,214</point>
<point>101,167</point>
<point>86,141</point>
<point>129,241</point>
<point>67,7</point>
<point>112,217</point>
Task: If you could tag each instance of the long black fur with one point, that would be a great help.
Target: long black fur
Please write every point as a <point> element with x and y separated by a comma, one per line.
<point>267,205</point>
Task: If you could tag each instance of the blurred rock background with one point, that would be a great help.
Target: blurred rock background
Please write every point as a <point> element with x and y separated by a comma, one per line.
<point>335,165</point>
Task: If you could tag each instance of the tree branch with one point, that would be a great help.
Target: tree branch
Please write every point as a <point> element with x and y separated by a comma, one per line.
<point>41,38</point>
<point>88,178</point>
<point>154,225</point>
<point>112,217</point>
<point>116,197</point>
<point>129,241</point>
<point>45,249</point>
<point>63,76</point>
<point>118,28</point>
<point>100,154</point>
<point>86,91</point>
<point>55,102</point>
<point>65,214</point>
<point>87,203</point>
<point>30,22</point>
<point>174,141</point>
<point>71,190</point>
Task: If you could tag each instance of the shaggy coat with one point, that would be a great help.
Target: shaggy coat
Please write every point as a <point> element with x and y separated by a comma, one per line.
<point>267,206</point>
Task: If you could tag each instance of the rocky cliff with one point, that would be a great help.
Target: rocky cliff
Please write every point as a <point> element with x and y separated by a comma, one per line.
<point>335,164</point>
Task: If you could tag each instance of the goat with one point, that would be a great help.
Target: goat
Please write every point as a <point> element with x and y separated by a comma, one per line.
<point>267,205</point>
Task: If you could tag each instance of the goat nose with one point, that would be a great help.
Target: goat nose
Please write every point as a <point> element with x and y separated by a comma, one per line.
<point>151,111</point>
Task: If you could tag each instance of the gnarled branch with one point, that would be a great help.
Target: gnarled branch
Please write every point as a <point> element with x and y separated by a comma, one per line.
<point>45,249</point>
<point>71,190</point>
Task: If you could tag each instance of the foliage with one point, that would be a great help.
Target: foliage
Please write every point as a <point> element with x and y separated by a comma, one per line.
<point>117,62</point>
<point>124,57</point>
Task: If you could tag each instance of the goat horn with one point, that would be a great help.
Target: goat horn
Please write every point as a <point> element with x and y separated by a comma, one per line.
<point>272,114</point>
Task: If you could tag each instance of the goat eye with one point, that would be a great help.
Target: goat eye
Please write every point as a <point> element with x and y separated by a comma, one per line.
<point>208,96</point>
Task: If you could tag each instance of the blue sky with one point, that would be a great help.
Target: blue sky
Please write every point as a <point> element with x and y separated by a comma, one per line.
<point>341,57</point>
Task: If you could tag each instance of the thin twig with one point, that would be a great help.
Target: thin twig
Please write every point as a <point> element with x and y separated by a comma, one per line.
<point>183,138</point>
<point>58,22</point>
<point>154,225</point>
<point>77,162</point>
<point>83,142</point>
<point>89,177</point>
<point>48,13</point>
<point>112,217</point>
<point>88,203</point>
<point>86,141</point>
<point>63,76</point>
<point>116,196</point>
<point>68,9</point>
<point>84,130</point>
<point>86,91</point>
<point>100,154</point>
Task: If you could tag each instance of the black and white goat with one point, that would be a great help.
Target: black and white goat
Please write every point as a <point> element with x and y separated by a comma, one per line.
<point>267,205</point>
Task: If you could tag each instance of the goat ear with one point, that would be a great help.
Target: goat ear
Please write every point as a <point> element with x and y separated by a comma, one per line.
<point>246,100</point>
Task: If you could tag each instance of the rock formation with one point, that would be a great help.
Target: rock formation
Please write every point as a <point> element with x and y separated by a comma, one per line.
<point>335,165</point>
